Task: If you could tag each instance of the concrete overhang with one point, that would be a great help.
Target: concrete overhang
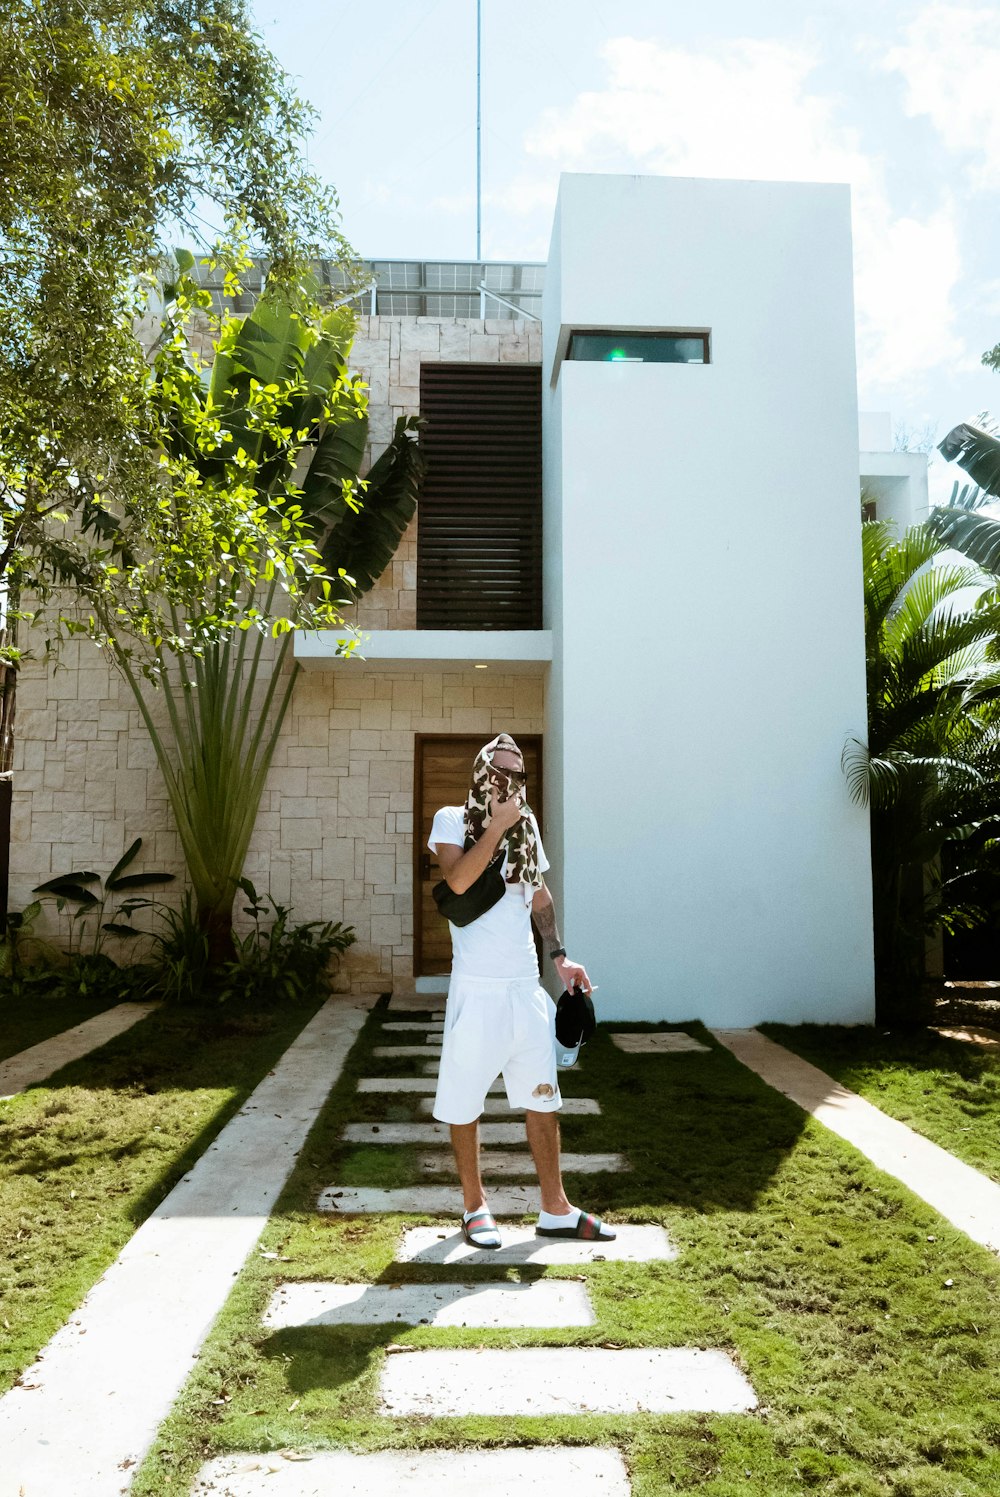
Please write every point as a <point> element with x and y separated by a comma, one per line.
<point>515,651</point>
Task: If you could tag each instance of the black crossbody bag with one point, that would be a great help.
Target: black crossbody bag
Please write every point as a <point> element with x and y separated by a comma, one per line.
<point>488,890</point>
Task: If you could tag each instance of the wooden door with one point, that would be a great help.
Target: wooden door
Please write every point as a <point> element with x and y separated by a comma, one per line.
<point>442,772</point>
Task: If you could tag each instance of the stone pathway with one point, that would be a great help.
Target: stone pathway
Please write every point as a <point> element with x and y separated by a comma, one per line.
<point>511,1162</point>
<point>582,1471</point>
<point>671,1042</point>
<point>513,1381</point>
<point>563,1380</point>
<point>87,1411</point>
<point>968,1199</point>
<point>573,1107</point>
<point>553,1302</point>
<point>520,1245</point>
<point>972,1034</point>
<point>30,1066</point>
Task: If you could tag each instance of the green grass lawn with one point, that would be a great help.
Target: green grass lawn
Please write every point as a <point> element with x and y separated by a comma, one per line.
<point>87,1156</point>
<point>27,1021</point>
<point>948,1090</point>
<point>866,1324</point>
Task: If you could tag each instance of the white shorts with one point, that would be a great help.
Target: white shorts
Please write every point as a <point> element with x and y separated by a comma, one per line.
<point>491,1027</point>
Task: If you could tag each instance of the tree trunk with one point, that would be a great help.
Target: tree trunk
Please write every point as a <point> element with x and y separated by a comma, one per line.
<point>8,699</point>
<point>217,923</point>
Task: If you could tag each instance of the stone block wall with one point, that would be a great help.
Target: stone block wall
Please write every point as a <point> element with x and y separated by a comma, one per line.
<point>387,353</point>
<point>334,837</point>
<point>335,833</point>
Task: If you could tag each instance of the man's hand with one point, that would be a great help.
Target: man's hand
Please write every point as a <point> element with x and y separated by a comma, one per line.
<point>504,813</point>
<point>572,974</point>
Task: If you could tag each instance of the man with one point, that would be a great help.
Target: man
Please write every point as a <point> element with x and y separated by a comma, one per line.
<point>499,1019</point>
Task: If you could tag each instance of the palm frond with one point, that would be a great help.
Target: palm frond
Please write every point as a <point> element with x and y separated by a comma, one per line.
<point>977,452</point>
<point>976,535</point>
<point>364,544</point>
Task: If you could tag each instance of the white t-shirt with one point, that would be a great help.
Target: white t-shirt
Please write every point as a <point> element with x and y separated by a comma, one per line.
<point>498,944</point>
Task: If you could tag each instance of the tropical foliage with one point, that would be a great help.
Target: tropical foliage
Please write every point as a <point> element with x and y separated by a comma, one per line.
<point>122,124</point>
<point>275,962</point>
<point>260,499</point>
<point>930,770</point>
<point>116,895</point>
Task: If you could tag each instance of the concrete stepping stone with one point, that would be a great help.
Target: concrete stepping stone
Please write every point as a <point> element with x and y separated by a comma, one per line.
<point>378,1084</point>
<point>634,1244</point>
<point>400,1052</point>
<point>563,1380</point>
<point>658,1044</point>
<point>546,1304</point>
<point>423,1200</point>
<point>427,1133</point>
<point>30,1066</point>
<point>88,1409</point>
<point>510,1162</point>
<point>433,1066</point>
<point>572,1107</point>
<point>584,1471</point>
<point>417,1003</point>
<point>963,1196</point>
<point>403,1026</point>
<point>972,1034</point>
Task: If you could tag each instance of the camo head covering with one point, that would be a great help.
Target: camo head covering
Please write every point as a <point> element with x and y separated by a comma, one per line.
<point>520,843</point>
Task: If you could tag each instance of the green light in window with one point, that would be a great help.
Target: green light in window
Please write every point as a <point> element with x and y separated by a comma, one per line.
<point>617,354</point>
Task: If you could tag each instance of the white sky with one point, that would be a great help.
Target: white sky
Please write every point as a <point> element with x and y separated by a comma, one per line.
<point>900,100</point>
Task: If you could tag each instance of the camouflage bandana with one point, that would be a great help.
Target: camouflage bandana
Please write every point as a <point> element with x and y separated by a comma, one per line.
<point>520,843</point>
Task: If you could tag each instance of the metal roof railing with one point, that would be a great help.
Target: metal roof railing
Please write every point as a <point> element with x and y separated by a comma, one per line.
<point>472,289</point>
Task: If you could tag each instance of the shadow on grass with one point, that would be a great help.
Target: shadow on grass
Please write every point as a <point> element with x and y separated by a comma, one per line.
<point>838,1048</point>
<point>169,1054</point>
<point>699,1130</point>
<point>703,1135</point>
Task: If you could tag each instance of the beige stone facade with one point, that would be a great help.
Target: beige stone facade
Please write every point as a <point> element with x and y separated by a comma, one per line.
<point>334,838</point>
<point>388,352</point>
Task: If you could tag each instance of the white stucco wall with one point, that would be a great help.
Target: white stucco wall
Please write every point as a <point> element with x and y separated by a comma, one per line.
<point>897,481</point>
<point>706,604</point>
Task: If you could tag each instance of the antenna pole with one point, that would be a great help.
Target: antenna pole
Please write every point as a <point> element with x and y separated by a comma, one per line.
<point>479,130</point>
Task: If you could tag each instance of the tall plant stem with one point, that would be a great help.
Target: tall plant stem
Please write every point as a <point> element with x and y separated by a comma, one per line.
<point>215,766</point>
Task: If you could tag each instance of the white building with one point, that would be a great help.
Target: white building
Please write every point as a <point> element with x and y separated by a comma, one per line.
<point>671,622</point>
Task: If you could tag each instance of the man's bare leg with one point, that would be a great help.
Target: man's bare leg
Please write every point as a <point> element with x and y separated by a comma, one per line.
<point>543,1139</point>
<point>465,1142</point>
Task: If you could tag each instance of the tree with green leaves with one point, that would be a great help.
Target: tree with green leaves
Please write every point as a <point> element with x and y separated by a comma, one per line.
<point>930,771</point>
<point>122,125</point>
<point>263,527</point>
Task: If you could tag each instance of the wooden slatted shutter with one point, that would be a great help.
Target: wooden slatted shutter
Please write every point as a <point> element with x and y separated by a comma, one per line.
<point>479,531</point>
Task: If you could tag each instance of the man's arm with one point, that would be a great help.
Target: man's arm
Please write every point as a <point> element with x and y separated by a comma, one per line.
<point>460,868</point>
<point>543,912</point>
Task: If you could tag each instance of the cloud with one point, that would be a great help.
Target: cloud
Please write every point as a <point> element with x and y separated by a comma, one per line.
<point>739,111</point>
<point>747,109</point>
<point>906,271</point>
<point>950,62</point>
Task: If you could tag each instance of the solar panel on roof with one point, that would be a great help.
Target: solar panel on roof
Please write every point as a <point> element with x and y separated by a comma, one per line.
<point>411,288</point>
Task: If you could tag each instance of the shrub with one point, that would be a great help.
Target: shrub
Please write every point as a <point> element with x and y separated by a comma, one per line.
<point>274,963</point>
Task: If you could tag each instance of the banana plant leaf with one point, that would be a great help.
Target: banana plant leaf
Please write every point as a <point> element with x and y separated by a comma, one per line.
<point>978,452</point>
<point>364,544</point>
<point>57,885</point>
<point>65,889</point>
<point>977,536</point>
<point>334,463</point>
<point>272,345</point>
<point>128,856</point>
<point>140,881</point>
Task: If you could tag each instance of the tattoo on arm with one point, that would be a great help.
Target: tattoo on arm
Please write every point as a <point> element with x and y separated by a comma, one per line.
<point>545,919</point>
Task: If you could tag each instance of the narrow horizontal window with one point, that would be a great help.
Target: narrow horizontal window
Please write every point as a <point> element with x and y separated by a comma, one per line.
<point>639,348</point>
